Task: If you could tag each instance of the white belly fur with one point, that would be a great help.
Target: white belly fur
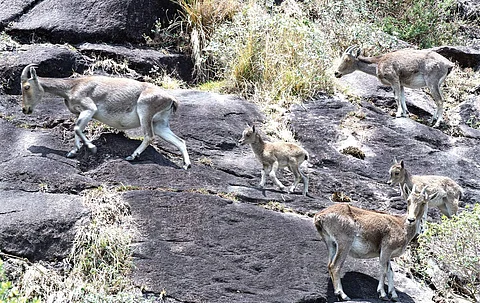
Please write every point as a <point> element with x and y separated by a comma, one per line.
<point>416,81</point>
<point>120,121</point>
<point>362,249</point>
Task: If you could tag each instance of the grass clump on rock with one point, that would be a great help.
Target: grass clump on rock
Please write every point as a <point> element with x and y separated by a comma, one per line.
<point>98,266</point>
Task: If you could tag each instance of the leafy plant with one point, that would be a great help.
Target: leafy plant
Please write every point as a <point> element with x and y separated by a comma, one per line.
<point>9,293</point>
<point>7,43</point>
<point>448,254</point>
<point>474,122</point>
<point>276,54</point>
<point>425,23</point>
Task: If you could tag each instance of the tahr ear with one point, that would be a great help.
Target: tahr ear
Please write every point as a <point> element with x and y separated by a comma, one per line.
<point>33,73</point>
<point>401,164</point>
<point>253,128</point>
<point>395,160</point>
<point>428,196</point>
<point>407,190</point>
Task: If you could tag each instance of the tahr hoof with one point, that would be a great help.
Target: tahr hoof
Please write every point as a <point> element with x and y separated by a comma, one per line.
<point>383,298</point>
<point>130,158</point>
<point>92,149</point>
<point>187,166</point>
<point>343,297</point>
<point>71,154</point>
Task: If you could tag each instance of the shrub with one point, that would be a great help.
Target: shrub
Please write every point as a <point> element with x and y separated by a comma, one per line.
<point>283,55</point>
<point>425,23</point>
<point>448,254</point>
<point>9,293</point>
<point>276,55</point>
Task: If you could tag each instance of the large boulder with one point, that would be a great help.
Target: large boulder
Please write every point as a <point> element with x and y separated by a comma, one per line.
<point>40,206</point>
<point>225,251</point>
<point>75,21</point>
<point>39,226</point>
<point>195,247</point>
<point>12,10</point>
<point>462,55</point>
<point>60,61</point>
<point>54,61</point>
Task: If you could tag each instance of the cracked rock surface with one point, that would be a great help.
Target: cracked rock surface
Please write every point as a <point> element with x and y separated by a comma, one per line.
<point>205,233</point>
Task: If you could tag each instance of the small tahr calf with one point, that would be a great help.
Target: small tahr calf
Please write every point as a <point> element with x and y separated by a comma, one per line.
<point>447,192</point>
<point>275,155</point>
<point>363,234</point>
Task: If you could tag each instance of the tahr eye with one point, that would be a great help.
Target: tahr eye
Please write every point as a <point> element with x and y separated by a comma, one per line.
<point>26,87</point>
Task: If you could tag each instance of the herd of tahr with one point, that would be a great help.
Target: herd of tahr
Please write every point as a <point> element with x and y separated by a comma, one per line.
<point>346,230</point>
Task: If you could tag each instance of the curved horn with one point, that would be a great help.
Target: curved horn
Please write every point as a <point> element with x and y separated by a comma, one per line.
<point>26,69</point>
<point>356,51</point>
<point>349,49</point>
<point>428,196</point>
<point>413,188</point>
<point>423,190</point>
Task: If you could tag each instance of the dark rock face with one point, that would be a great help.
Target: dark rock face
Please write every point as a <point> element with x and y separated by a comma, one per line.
<point>236,250</point>
<point>54,61</point>
<point>12,10</point>
<point>143,61</point>
<point>206,235</point>
<point>226,251</point>
<point>39,226</point>
<point>61,61</point>
<point>469,9</point>
<point>75,21</point>
<point>424,149</point>
<point>463,56</point>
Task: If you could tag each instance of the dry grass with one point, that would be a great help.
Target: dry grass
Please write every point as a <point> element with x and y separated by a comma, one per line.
<point>100,260</point>
<point>165,80</point>
<point>109,66</point>
<point>284,55</point>
<point>201,17</point>
<point>459,85</point>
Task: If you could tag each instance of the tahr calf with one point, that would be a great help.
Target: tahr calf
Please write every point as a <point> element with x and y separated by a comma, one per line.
<point>275,155</point>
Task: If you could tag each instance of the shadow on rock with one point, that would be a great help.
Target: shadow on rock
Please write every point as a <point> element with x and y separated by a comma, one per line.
<point>45,151</point>
<point>117,146</point>
<point>110,146</point>
<point>363,288</point>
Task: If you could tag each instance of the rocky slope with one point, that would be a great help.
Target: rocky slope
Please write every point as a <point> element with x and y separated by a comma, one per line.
<point>209,234</point>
